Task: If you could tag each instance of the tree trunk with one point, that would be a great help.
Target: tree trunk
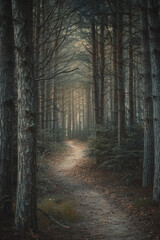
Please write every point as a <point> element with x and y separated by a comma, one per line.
<point>73,115</point>
<point>63,114</point>
<point>88,107</point>
<point>7,104</point>
<point>102,66</point>
<point>55,114</point>
<point>37,54</point>
<point>155,63</point>
<point>121,91</point>
<point>95,77</point>
<point>131,99</point>
<point>115,66</point>
<point>42,83</point>
<point>69,113</point>
<point>79,116</point>
<point>148,164</point>
<point>26,205</point>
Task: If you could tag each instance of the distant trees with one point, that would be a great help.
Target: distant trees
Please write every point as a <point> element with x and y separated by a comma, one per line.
<point>122,78</point>
<point>79,71</point>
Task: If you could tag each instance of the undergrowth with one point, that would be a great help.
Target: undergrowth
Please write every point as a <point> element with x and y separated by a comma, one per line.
<point>47,150</point>
<point>144,203</point>
<point>127,160</point>
<point>46,145</point>
<point>59,208</point>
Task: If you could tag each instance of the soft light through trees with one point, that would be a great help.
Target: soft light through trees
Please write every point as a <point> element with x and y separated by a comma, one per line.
<point>81,69</point>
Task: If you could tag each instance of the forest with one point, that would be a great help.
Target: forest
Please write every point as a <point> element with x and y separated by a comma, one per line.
<point>80,119</point>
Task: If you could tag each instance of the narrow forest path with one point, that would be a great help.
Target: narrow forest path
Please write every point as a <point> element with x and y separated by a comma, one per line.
<point>101,219</point>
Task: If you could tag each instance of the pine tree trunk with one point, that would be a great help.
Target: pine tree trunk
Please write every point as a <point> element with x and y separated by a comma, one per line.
<point>26,205</point>
<point>73,115</point>
<point>69,114</point>
<point>155,63</point>
<point>7,104</point>
<point>115,66</point>
<point>37,54</point>
<point>148,164</point>
<point>63,114</point>
<point>55,114</point>
<point>95,77</point>
<point>121,91</point>
<point>131,99</point>
<point>88,107</point>
<point>79,117</point>
<point>42,83</point>
<point>102,71</point>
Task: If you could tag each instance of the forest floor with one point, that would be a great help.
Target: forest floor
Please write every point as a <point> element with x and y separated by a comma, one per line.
<point>105,208</point>
<point>108,209</point>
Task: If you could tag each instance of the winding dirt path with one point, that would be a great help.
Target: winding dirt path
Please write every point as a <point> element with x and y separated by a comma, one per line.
<point>101,219</point>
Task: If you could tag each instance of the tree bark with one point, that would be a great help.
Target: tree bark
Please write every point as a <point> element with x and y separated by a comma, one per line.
<point>131,98</point>
<point>69,113</point>
<point>148,164</point>
<point>115,65</point>
<point>155,63</point>
<point>102,67</point>
<point>73,115</point>
<point>7,104</point>
<point>55,113</point>
<point>63,113</point>
<point>88,107</point>
<point>42,83</point>
<point>95,77</point>
<point>26,204</point>
<point>120,62</point>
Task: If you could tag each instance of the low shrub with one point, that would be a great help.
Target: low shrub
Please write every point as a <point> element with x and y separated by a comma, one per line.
<point>128,159</point>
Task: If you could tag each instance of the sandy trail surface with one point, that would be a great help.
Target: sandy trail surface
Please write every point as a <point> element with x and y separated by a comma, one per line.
<point>100,218</point>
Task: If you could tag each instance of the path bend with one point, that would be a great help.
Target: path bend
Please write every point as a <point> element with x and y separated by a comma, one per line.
<point>101,219</point>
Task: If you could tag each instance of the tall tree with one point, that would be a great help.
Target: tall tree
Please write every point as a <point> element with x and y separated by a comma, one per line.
<point>7,103</point>
<point>95,71</point>
<point>148,164</point>
<point>102,68</point>
<point>115,64</point>
<point>26,206</point>
<point>120,62</point>
<point>131,81</point>
<point>154,22</point>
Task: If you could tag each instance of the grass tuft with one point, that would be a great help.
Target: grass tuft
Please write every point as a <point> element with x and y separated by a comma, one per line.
<point>60,208</point>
